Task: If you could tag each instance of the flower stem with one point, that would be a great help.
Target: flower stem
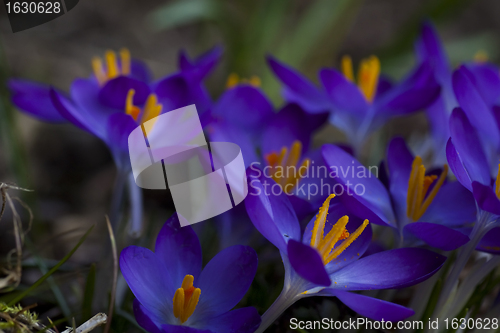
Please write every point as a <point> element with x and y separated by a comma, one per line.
<point>479,230</point>
<point>136,207</point>
<point>287,297</point>
<point>117,198</point>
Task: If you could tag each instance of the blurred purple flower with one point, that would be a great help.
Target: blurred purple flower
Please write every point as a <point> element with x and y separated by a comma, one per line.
<point>117,98</point>
<point>174,295</point>
<point>358,109</point>
<point>474,80</point>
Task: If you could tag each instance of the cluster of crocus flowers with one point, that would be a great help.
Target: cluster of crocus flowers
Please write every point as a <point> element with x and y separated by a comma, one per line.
<point>119,96</point>
<point>421,204</point>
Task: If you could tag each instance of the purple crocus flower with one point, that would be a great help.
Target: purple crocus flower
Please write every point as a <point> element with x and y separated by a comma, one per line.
<point>473,80</point>
<point>469,163</point>
<point>358,109</point>
<point>174,295</point>
<point>325,260</point>
<point>483,116</point>
<point>289,159</point>
<point>238,116</point>
<point>418,206</point>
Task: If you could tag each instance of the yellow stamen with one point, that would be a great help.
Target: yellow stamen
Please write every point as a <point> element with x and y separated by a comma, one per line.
<point>111,64</point>
<point>186,299</point>
<point>326,245</point>
<point>417,200</point>
<point>130,108</point>
<point>338,232</point>
<point>255,81</point>
<point>347,68</point>
<point>432,194</point>
<point>368,77</point>
<point>112,69</point>
<point>99,73</point>
<point>152,109</point>
<point>368,74</point>
<point>319,224</point>
<point>412,184</point>
<point>481,56</point>
<point>232,80</point>
<point>285,169</point>
<point>345,244</point>
<point>125,61</point>
<point>497,183</point>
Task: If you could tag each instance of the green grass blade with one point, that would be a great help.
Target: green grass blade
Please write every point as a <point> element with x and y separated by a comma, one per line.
<point>51,271</point>
<point>88,295</point>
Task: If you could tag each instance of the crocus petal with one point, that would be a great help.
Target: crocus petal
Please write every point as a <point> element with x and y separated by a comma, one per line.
<point>179,249</point>
<point>399,163</point>
<point>473,105</point>
<point>487,81</point>
<point>453,206</point>
<point>119,127</point>
<point>370,307</point>
<point>114,92</point>
<point>149,281</point>
<point>345,95</point>
<point>419,90</point>
<point>223,131</point>
<point>303,208</point>
<point>145,318</point>
<point>490,242</point>
<point>225,280</point>
<point>243,106</point>
<point>290,124</point>
<point>244,320</point>
<point>438,236</point>
<point>76,116</point>
<point>307,262</point>
<point>457,166</point>
<point>182,329</point>
<point>485,197</point>
<point>92,112</point>
<point>203,65</point>
<point>272,215</point>
<point>34,99</point>
<point>374,203</point>
<point>389,269</point>
<point>299,89</point>
<point>181,89</point>
<point>438,115</point>
<point>429,48</point>
<point>140,71</point>
<point>384,85</point>
<point>469,150</point>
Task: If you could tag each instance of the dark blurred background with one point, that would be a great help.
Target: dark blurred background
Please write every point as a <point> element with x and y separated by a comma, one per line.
<point>72,173</point>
